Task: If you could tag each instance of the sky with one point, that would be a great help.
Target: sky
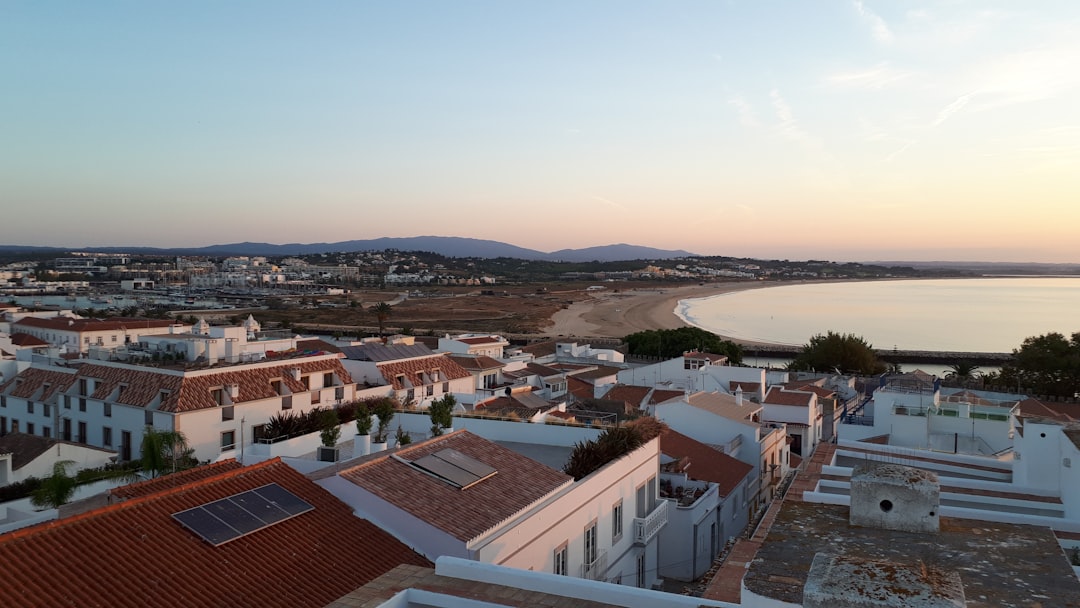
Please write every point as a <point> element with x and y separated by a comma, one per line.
<point>782,129</point>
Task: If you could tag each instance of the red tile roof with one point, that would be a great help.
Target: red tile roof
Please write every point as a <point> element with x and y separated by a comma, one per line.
<point>476,362</point>
<point>660,396</point>
<point>483,340</point>
<point>21,339</point>
<point>747,387</point>
<point>579,388</point>
<point>634,395</point>
<point>415,369</point>
<point>83,325</point>
<point>134,553</point>
<point>187,391</point>
<point>174,480</point>
<point>464,514</point>
<point>779,396</point>
<point>702,462</point>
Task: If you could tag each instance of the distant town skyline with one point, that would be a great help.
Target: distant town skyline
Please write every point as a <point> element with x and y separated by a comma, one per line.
<point>851,131</point>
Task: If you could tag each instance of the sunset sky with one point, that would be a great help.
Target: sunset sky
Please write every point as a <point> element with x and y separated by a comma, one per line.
<point>864,130</point>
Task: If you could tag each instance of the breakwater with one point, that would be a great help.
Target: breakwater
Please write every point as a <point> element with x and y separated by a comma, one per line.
<point>781,351</point>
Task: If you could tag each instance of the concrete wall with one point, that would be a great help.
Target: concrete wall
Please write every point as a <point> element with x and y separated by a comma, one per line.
<point>42,466</point>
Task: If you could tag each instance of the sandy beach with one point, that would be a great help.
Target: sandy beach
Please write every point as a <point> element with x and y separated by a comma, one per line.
<point>614,314</point>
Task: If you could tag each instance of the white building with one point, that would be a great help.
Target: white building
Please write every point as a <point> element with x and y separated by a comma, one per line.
<point>800,413</point>
<point>218,408</point>
<point>697,372</point>
<point>23,456</point>
<point>410,372</point>
<point>474,344</point>
<point>463,496</point>
<point>735,426</point>
<point>79,335</point>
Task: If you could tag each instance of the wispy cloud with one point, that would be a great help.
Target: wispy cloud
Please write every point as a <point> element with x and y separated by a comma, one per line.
<point>878,77</point>
<point>747,116</point>
<point>609,202</point>
<point>952,108</point>
<point>878,27</point>
<point>787,126</point>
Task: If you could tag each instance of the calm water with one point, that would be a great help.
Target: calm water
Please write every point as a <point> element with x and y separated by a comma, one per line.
<point>976,315</point>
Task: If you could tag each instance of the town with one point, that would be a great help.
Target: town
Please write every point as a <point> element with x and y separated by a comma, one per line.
<point>229,417</point>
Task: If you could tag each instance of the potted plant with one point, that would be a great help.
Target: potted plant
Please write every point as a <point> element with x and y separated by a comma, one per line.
<point>330,433</point>
<point>362,442</point>
<point>384,411</point>
<point>402,438</point>
<point>441,412</point>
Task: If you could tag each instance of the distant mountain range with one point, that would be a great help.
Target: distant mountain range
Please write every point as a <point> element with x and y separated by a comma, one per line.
<point>450,246</point>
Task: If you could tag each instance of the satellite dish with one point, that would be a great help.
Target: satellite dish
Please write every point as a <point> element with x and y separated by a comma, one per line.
<point>507,391</point>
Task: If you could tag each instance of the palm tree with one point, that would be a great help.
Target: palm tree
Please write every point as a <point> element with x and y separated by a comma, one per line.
<point>383,311</point>
<point>963,372</point>
<point>56,489</point>
<point>165,452</point>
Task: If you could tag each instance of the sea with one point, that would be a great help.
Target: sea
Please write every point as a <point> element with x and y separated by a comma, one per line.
<point>953,315</point>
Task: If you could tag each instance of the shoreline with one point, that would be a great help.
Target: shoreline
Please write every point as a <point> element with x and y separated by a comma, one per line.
<point>615,314</point>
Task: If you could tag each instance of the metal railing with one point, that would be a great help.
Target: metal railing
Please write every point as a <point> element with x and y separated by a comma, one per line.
<point>645,528</point>
<point>595,569</point>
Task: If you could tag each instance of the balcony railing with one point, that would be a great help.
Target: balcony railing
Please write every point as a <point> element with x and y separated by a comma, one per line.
<point>595,569</point>
<point>645,528</point>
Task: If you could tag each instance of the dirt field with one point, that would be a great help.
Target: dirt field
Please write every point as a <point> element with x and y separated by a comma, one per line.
<point>520,310</point>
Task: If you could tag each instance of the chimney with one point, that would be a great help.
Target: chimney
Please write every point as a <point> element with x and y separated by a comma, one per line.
<point>895,497</point>
<point>738,396</point>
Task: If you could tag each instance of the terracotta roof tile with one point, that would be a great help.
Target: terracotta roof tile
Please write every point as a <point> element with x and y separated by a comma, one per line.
<point>464,514</point>
<point>779,396</point>
<point>29,383</point>
<point>660,396</point>
<point>21,339</point>
<point>634,395</point>
<point>704,463</point>
<point>174,480</point>
<point>134,553</point>
<point>476,363</point>
<point>83,325</point>
<point>414,371</point>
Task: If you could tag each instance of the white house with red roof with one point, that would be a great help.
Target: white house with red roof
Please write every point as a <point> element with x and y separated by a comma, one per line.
<point>408,371</point>
<point>710,499</point>
<point>464,496</point>
<point>490,345</point>
<point>219,408</point>
<point>799,410</point>
<point>735,426</point>
<point>79,335</point>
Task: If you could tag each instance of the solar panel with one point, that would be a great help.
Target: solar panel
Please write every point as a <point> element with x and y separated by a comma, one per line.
<point>445,470</point>
<point>455,467</point>
<point>229,518</point>
<point>462,461</point>
<point>205,524</point>
<point>284,499</point>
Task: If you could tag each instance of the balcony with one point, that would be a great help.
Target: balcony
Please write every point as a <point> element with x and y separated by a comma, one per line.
<point>645,528</point>
<point>595,569</point>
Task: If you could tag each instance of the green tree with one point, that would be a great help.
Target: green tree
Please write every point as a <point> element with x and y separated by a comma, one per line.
<point>1048,364</point>
<point>848,353</point>
<point>329,430</point>
<point>363,418</point>
<point>668,343</point>
<point>382,312</point>
<point>165,452</point>
<point>384,411</point>
<point>963,372</point>
<point>441,412</point>
<point>56,489</point>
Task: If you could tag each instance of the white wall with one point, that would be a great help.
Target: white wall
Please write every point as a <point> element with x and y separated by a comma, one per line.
<point>42,466</point>
<point>530,542</point>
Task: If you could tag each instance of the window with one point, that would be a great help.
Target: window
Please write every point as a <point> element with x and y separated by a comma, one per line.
<point>81,438</point>
<point>82,404</point>
<point>218,395</point>
<point>106,436</point>
<point>328,379</point>
<point>316,397</point>
<point>14,426</point>
<point>445,387</point>
<point>3,426</point>
<point>560,561</point>
<point>228,440</point>
<point>430,390</point>
<point>339,393</point>
<point>148,418</point>
<point>410,395</point>
<point>29,428</point>
<point>641,570</point>
<point>108,409</point>
<point>616,521</point>
<point>46,409</point>
<point>82,386</point>
<point>306,381</point>
<point>227,413</point>
<point>67,402</point>
<point>3,401</point>
<point>86,340</point>
<point>46,432</point>
<point>29,407</point>
<point>276,385</point>
<point>114,339</point>
<point>591,550</point>
<point>286,402</point>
